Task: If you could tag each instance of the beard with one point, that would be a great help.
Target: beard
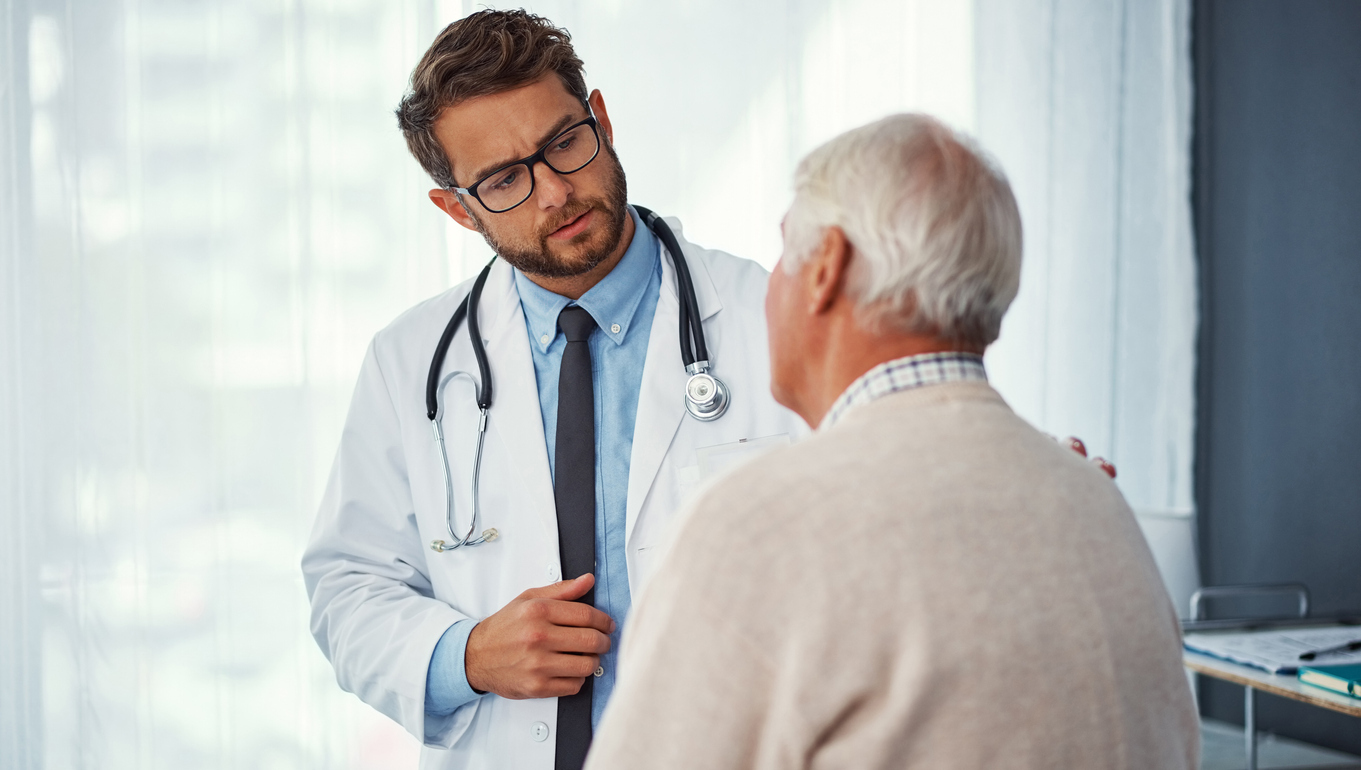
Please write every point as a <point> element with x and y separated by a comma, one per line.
<point>532,255</point>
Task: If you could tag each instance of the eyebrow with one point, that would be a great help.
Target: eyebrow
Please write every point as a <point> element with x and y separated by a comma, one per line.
<point>548,135</point>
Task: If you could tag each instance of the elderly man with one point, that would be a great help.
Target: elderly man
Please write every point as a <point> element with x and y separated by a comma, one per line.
<point>928,581</point>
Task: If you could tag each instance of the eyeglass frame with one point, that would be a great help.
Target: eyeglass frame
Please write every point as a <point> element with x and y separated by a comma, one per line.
<point>530,161</point>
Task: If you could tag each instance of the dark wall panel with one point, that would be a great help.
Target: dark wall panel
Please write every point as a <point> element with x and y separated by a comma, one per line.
<point>1278,213</point>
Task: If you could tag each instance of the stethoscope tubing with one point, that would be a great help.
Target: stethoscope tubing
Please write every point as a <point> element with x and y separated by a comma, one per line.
<point>432,381</point>
<point>448,475</point>
<point>694,354</point>
<point>691,324</point>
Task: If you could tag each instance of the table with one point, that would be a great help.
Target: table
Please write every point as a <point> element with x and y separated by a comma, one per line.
<point>1284,685</point>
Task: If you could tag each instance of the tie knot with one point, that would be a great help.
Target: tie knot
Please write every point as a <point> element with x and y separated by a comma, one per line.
<point>576,323</point>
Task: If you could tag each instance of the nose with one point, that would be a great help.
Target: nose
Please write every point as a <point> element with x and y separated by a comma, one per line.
<point>552,188</point>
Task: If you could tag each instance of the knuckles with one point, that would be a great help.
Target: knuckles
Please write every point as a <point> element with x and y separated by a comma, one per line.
<point>536,609</point>
<point>534,637</point>
<point>542,672</point>
<point>595,642</point>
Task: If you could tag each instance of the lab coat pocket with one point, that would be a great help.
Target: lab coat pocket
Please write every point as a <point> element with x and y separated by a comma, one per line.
<point>445,732</point>
<point>717,461</point>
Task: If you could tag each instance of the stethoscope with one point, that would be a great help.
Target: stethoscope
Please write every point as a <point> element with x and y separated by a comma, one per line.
<point>706,397</point>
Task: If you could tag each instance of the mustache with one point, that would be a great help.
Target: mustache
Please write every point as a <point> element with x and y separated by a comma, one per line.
<point>568,213</point>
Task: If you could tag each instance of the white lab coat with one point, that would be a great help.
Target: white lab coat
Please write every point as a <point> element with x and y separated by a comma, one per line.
<point>381,598</point>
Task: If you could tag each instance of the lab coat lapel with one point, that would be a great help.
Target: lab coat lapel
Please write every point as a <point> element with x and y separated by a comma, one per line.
<point>661,401</point>
<point>515,415</point>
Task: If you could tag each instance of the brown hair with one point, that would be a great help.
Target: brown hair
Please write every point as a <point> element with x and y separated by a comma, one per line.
<point>483,53</point>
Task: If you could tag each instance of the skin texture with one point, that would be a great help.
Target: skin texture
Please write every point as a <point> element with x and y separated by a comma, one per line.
<point>487,132</point>
<point>543,644</point>
<point>818,347</point>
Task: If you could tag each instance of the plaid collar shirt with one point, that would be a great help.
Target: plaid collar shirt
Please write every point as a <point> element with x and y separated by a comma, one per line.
<point>906,374</point>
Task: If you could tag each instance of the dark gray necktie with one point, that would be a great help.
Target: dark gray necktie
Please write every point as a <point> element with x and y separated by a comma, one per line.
<point>574,495</point>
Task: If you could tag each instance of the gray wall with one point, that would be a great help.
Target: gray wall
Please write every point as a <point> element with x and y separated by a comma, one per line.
<point>1278,219</point>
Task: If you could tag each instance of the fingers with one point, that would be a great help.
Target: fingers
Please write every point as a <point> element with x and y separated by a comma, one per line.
<point>576,640</point>
<point>572,666</point>
<point>549,639</point>
<point>576,614</point>
<point>555,612</point>
<point>556,604</point>
<point>541,645</point>
<point>566,590</point>
<point>561,675</point>
<point>1074,443</point>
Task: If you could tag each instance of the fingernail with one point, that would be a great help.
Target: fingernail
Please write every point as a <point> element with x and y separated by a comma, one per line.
<point>1077,445</point>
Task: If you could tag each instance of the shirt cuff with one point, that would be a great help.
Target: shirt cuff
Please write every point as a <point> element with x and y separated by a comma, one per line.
<point>446,682</point>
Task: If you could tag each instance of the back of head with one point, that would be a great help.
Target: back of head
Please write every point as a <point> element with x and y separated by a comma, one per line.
<point>484,53</point>
<point>934,226</point>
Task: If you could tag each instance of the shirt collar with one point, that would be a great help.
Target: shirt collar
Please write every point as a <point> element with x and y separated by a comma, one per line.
<point>905,374</point>
<point>612,302</point>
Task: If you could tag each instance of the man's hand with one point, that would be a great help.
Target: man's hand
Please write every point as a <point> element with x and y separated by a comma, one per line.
<point>541,645</point>
<point>1074,443</point>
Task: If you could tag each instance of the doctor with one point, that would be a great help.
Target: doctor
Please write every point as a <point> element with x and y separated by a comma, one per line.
<point>484,620</point>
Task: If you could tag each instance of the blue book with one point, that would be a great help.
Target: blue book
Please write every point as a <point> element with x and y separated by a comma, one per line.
<point>1343,679</point>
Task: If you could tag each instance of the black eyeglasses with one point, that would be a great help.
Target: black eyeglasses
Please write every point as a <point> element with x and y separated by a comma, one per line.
<point>509,186</point>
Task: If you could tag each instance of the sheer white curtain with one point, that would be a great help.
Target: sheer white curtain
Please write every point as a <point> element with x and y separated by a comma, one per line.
<point>1088,107</point>
<point>20,615</point>
<point>222,214</point>
<point>207,211</point>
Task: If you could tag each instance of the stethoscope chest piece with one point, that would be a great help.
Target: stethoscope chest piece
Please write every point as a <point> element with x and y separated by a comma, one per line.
<point>706,397</point>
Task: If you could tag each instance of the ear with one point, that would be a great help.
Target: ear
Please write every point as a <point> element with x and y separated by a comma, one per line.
<point>449,203</point>
<point>825,275</point>
<point>602,116</point>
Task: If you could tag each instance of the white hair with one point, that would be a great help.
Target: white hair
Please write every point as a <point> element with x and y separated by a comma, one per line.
<point>933,226</point>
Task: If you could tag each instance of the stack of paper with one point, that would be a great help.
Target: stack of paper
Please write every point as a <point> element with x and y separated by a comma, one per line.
<point>1277,651</point>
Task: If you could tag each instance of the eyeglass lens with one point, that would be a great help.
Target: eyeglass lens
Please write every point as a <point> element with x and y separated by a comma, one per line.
<point>510,186</point>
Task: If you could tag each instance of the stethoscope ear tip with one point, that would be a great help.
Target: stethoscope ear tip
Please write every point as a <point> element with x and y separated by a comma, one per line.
<point>488,536</point>
<point>706,397</point>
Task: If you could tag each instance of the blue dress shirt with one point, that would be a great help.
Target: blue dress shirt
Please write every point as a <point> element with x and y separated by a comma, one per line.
<point>623,305</point>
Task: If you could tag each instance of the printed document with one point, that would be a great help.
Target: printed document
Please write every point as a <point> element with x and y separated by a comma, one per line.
<point>1277,651</point>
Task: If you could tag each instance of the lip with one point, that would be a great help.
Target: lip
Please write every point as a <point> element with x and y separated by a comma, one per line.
<point>575,227</point>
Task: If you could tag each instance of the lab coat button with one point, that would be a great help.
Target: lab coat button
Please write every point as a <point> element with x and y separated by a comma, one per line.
<point>552,572</point>
<point>539,731</point>
<point>599,670</point>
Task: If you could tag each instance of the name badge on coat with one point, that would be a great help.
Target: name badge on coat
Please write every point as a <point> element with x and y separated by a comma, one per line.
<point>715,462</point>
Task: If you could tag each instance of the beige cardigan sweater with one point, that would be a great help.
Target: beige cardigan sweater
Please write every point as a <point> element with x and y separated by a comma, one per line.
<point>930,583</point>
